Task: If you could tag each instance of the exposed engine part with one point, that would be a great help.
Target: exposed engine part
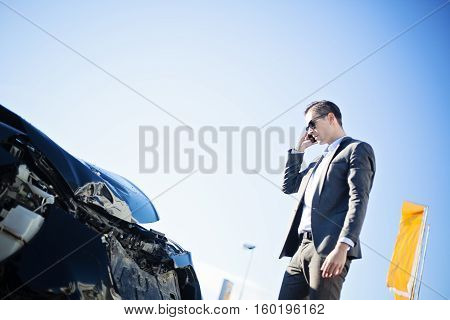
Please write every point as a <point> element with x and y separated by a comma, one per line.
<point>28,190</point>
<point>98,193</point>
<point>19,226</point>
<point>144,285</point>
<point>27,177</point>
<point>16,152</point>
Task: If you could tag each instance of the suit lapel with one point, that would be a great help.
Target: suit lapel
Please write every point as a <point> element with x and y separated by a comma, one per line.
<point>305,180</point>
<point>295,220</point>
<point>326,164</point>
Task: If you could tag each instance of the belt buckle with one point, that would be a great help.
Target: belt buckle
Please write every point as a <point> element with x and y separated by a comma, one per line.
<point>305,235</point>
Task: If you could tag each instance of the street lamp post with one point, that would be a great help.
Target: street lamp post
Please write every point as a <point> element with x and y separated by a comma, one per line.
<point>248,247</point>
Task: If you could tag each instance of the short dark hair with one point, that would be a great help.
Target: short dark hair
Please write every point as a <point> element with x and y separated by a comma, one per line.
<point>324,107</point>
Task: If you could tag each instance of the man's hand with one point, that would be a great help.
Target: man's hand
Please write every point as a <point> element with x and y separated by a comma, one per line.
<point>304,142</point>
<point>335,261</point>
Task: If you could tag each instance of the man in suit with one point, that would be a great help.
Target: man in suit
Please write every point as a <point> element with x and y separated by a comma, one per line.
<point>333,192</point>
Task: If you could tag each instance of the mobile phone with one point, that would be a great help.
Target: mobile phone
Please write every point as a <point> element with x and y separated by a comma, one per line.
<point>311,138</point>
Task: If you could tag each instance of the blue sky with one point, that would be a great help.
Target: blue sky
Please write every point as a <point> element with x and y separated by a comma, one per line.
<point>232,63</point>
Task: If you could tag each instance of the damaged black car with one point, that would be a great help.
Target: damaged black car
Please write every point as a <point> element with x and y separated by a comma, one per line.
<point>70,230</point>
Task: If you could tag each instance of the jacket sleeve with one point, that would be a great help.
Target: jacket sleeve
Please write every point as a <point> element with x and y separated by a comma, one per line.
<point>360,180</point>
<point>292,175</point>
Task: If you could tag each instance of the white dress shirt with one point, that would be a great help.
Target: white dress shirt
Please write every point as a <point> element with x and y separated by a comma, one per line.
<point>305,223</point>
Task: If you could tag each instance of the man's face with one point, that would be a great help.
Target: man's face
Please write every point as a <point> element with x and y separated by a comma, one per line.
<point>318,125</point>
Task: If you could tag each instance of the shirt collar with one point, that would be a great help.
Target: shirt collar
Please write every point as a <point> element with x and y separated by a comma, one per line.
<point>334,144</point>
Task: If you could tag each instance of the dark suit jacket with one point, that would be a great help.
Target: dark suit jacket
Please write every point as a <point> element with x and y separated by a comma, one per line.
<point>340,200</point>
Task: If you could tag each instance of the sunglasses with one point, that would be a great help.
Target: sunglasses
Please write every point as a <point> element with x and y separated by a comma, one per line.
<point>312,123</point>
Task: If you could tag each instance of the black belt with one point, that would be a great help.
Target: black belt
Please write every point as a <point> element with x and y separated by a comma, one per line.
<point>305,235</point>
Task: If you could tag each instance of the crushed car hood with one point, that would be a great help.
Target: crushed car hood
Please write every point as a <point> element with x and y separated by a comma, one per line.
<point>89,183</point>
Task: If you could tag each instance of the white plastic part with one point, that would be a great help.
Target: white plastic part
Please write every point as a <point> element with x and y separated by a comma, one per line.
<point>8,245</point>
<point>49,198</point>
<point>23,173</point>
<point>22,223</point>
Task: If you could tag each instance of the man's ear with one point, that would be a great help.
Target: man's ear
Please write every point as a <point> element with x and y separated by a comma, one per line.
<point>331,117</point>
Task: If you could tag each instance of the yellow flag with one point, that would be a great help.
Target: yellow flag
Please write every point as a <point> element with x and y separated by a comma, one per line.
<point>405,259</point>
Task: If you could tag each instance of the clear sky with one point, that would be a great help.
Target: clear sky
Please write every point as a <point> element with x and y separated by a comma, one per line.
<point>236,63</point>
